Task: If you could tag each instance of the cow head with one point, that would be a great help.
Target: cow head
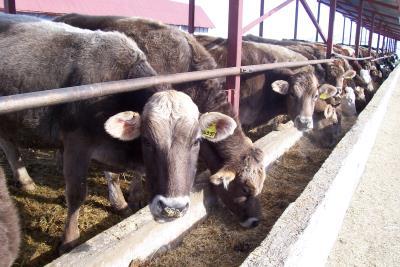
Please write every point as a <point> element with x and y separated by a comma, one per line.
<point>238,186</point>
<point>348,103</point>
<point>327,120</point>
<point>170,129</point>
<point>337,75</point>
<point>302,91</point>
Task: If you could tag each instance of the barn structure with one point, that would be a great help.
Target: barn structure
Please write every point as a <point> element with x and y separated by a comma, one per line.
<point>305,232</point>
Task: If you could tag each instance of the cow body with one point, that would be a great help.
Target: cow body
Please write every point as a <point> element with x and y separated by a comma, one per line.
<point>9,225</point>
<point>40,55</point>
<point>170,50</point>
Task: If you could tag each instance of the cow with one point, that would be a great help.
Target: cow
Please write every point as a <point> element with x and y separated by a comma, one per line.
<point>9,225</point>
<point>170,50</point>
<point>276,91</point>
<point>162,125</point>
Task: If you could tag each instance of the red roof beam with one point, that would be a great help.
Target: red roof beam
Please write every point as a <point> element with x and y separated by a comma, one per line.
<point>395,7</point>
<point>314,21</point>
<point>329,43</point>
<point>191,16</point>
<point>9,6</point>
<point>359,21</point>
<point>265,16</point>
<point>367,10</point>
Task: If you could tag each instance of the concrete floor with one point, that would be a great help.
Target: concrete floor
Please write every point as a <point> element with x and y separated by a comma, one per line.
<point>370,234</point>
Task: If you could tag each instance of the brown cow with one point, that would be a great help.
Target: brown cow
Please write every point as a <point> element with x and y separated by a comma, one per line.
<point>170,50</point>
<point>56,55</point>
<point>9,225</point>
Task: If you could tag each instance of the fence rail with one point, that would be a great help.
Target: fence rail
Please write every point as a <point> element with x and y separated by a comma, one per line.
<point>13,103</point>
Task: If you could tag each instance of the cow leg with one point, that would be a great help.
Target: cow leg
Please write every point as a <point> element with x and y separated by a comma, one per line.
<point>17,165</point>
<point>115,195</point>
<point>76,158</point>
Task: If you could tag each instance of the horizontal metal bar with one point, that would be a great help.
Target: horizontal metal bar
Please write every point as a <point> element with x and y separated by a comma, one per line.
<point>19,102</point>
<point>352,58</point>
<point>379,58</point>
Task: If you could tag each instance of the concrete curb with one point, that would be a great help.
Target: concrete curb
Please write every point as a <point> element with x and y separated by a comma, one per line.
<point>307,230</point>
<point>139,237</point>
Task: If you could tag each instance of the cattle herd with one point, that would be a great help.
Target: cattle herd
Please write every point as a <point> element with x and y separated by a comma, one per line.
<point>163,128</point>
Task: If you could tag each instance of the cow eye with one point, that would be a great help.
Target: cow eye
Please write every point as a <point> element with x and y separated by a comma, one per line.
<point>196,142</point>
<point>246,190</point>
<point>316,97</point>
<point>146,142</point>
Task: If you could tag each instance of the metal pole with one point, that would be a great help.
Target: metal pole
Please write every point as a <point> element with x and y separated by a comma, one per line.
<point>9,7</point>
<point>13,103</point>
<point>344,28</point>
<point>318,17</point>
<point>370,34</point>
<point>261,28</point>
<point>234,51</point>
<point>191,16</point>
<point>383,44</point>
<point>351,30</point>
<point>379,37</point>
<point>296,17</point>
<point>359,21</point>
<point>329,43</point>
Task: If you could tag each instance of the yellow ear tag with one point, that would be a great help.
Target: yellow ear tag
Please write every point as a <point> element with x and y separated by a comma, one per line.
<point>324,96</point>
<point>210,131</point>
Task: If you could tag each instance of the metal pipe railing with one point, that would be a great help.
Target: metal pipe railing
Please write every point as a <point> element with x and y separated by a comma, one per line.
<point>379,58</point>
<point>23,101</point>
<point>351,58</point>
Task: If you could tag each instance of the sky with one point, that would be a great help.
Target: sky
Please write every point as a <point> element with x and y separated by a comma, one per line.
<point>281,24</point>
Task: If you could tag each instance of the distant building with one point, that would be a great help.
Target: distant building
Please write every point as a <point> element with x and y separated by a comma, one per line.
<point>166,11</point>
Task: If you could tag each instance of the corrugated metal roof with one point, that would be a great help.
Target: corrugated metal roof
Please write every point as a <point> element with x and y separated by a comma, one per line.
<point>167,11</point>
<point>387,13</point>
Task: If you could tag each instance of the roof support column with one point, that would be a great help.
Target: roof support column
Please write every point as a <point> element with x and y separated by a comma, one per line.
<point>383,44</point>
<point>359,21</point>
<point>261,28</point>
<point>379,37</point>
<point>329,43</point>
<point>351,31</point>
<point>9,7</point>
<point>191,16</point>
<point>370,35</point>
<point>234,51</point>
<point>344,28</point>
<point>296,18</point>
<point>318,16</point>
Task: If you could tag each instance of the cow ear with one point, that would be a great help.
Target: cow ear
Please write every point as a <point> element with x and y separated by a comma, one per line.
<point>350,74</point>
<point>124,126</point>
<point>326,91</point>
<point>281,87</point>
<point>329,111</point>
<point>216,126</point>
<point>223,177</point>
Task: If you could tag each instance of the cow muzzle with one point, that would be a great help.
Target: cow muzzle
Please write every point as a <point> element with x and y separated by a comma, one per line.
<point>303,123</point>
<point>169,208</point>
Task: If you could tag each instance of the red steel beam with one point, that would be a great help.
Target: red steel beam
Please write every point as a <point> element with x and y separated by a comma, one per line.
<point>265,16</point>
<point>9,7</point>
<point>383,44</point>
<point>379,36</point>
<point>234,51</point>
<point>314,21</point>
<point>261,27</point>
<point>355,8</point>
<point>370,35</point>
<point>296,17</point>
<point>191,16</point>
<point>359,21</point>
<point>395,7</point>
<point>329,43</point>
<point>318,17</point>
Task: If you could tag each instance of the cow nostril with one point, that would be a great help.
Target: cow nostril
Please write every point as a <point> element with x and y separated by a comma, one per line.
<point>161,204</point>
<point>255,224</point>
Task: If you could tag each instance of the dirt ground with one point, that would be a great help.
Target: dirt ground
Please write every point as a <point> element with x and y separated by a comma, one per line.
<point>370,235</point>
<point>221,241</point>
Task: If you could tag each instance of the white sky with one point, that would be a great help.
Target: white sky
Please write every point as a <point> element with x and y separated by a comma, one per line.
<point>281,24</point>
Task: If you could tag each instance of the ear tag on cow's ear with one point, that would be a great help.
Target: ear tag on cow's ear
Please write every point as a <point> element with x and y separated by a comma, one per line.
<point>324,96</point>
<point>210,131</point>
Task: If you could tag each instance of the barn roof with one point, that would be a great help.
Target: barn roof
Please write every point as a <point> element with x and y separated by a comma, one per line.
<point>387,12</point>
<point>167,11</point>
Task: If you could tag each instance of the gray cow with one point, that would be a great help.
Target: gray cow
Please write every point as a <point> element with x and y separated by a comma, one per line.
<point>37,55</point>
<point>9,225</point>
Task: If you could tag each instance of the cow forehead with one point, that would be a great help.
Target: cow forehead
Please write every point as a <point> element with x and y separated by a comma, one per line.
<point>170,114</point>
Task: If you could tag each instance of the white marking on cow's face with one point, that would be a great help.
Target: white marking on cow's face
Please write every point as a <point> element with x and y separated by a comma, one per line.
<point>160,205</point>
<point>365,76</point>
<point>303,122</point>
